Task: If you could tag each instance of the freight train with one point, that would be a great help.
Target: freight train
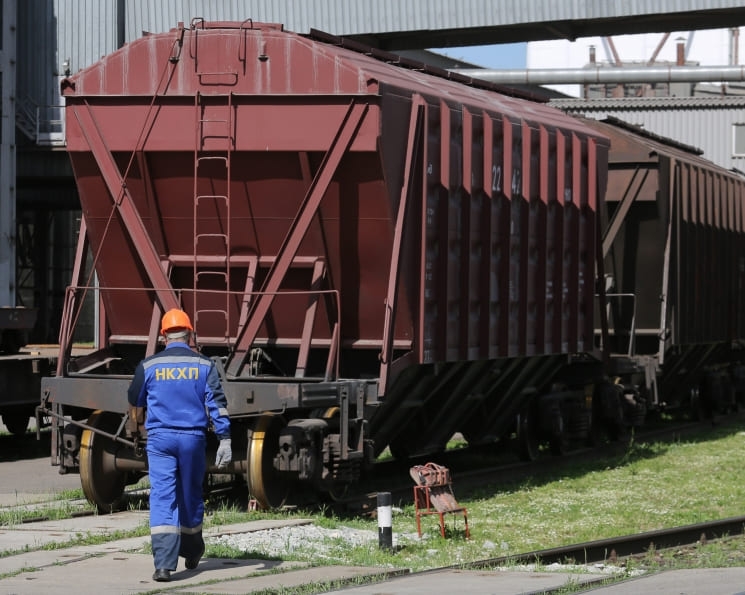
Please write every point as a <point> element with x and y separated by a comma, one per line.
<point>378,255</point>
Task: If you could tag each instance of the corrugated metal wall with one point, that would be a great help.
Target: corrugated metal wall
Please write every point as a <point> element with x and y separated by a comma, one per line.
<point>8,62</point>
<point>353,17</point>
<point>87,30</point>
<point>703,123</point>
<point>84,30</point>
<point>51,31</point>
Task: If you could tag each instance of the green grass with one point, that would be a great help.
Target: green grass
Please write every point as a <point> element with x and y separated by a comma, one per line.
<point>649,486</point>
<point>646,487</point>
<point>53,510</point>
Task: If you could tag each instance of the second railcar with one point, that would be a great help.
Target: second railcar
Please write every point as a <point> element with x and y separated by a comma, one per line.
<point>673,245</point>
<point>375,256</point>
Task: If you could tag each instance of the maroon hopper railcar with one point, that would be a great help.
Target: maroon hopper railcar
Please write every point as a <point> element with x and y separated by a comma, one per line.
<point>374,256</point>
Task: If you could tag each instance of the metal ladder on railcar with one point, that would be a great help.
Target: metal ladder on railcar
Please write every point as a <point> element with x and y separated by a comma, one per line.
<point>218,133</point>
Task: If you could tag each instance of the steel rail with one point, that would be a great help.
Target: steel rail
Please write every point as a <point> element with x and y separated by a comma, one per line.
<point>612,548</point>
<point>602,550</point>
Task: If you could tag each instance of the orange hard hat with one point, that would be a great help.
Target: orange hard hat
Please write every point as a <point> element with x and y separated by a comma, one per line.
<point>173,320</point>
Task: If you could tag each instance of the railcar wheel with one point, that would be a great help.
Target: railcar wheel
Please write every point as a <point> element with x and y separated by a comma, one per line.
<point>16,422</point>
<point>332,415</point>
<point>559,441</point>
<point>528,443</point>
<point>399,450</point>
<point>103,485</point>
<point>265,484</point>
<point>699,405</point>
<point>598,432</point>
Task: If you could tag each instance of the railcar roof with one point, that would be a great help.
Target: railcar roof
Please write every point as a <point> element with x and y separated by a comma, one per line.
<point>291,64</point>
<point>630,142</point>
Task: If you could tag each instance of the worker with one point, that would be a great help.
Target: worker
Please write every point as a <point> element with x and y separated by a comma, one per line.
<point>180,393</point>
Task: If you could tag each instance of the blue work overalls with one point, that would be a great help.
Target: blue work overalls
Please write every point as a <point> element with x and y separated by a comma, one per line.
<point>181,391</point>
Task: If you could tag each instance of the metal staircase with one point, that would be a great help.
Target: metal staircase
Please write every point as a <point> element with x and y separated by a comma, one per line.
<point>27,119</point>
<point>42,124</point>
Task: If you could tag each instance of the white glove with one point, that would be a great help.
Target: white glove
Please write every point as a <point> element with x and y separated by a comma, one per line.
<point>224,454</point>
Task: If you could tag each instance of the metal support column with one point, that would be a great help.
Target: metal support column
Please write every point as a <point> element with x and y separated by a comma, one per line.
<point>8,155</point>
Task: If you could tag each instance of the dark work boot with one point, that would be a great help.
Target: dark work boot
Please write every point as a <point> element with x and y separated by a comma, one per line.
<point>162,575</point>
<point>191,563</point>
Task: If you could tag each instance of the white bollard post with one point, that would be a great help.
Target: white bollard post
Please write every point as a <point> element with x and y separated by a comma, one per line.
<point>385,514</point>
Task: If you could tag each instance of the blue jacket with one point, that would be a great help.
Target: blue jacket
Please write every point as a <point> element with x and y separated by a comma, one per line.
<point>181,390</point>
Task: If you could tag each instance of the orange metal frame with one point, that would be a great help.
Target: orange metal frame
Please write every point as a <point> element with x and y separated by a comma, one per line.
<point>423,506</point>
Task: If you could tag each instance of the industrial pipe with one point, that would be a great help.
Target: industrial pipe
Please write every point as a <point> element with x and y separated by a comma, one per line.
<point>605,74</point>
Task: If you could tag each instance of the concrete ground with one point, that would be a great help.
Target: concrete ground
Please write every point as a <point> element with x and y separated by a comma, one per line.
<point>125,566</point>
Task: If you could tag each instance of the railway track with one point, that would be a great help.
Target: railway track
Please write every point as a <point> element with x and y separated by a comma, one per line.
<point>613,548</point>
<point>475,467</point>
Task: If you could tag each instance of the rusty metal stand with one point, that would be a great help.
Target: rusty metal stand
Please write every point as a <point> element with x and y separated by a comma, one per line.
<point>433,494</point>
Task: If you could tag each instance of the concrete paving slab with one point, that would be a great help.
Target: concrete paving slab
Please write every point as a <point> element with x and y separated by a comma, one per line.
<point>94,524</point>
<point>20,538</point>
<point>700,581</point>
<point>122,566</point>
<point>40,480</point>
<point>127,573</point>
<point>14,500</point>
<point>25,536</point>
<point>20,541</point>
<point>42,558</point>
<point>35,535</point>
<point>284,580</point>
<point>494,582</point>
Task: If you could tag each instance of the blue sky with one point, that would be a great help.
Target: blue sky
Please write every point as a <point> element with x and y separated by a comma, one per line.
<point>505,55</point>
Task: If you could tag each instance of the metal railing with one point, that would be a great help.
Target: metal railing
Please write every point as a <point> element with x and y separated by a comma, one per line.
<point>615,329</point>
<point>74,296</point>
<point>43,124</point>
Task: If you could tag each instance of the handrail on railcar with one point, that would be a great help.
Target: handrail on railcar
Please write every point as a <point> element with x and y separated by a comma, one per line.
<point>75,294</point>
<point>631,351</point>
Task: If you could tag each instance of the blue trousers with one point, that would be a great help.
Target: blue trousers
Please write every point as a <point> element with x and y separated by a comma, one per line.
<point>177,463</point>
